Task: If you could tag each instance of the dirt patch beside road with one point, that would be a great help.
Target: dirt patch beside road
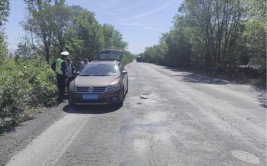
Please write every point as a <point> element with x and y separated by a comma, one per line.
<point>24,133</point>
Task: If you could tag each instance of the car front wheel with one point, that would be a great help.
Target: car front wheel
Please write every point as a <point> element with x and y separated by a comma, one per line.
<point>71,102</point>
<point>122,95</point>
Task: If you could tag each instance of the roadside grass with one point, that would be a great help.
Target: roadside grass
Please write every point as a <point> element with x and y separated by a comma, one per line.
<point>8,124</point>
<point>25,86</point>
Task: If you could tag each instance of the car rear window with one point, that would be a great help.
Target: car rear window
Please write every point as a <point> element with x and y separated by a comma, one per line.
<point>109,55</point>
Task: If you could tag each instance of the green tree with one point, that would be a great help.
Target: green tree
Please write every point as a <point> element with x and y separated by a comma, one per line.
<point>254,37</point>
<point>60,22</point>
<point>219,28</point>
<point>85,37</point>
<point>47,23</point>
<point>57,27</point>
<point>4,11</point>
<point>24,48</point>
<point>3,48</point>
<point>112,38</point>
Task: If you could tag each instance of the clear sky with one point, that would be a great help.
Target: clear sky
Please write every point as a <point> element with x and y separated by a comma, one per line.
<point>141,22</point>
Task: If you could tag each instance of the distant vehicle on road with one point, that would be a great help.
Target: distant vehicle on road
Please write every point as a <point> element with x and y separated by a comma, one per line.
<point>138,59</point>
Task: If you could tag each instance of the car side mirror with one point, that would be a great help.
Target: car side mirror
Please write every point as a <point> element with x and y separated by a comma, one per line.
<point>124,72</point>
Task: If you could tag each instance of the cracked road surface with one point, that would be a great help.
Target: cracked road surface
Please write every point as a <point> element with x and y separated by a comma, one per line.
<point>169,117</point>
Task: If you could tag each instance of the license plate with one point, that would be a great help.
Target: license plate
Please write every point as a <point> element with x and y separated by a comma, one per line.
<point>90,97</point>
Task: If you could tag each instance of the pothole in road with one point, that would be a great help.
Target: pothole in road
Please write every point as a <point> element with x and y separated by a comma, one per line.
<point>146,92</point>
<point>143,97</point>
<point>245,156</point>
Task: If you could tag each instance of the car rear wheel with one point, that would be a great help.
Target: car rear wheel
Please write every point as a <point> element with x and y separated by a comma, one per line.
<point>127,87</point>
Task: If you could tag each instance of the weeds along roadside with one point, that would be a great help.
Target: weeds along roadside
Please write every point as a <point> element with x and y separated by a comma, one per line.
<point>25,86</point>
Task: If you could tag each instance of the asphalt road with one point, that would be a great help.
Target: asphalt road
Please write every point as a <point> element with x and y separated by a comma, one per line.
<point>169,118</point>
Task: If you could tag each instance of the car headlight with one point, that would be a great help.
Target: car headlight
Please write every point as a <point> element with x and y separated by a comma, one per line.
<point>72,86</point>
<point>112,88</point>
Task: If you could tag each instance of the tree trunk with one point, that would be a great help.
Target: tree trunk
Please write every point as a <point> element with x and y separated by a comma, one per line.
<point>47,53</point>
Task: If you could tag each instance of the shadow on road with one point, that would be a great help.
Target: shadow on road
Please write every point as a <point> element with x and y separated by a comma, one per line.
<point>262,95</point>
<point>90,109</point>
<point>198,78</point>
<point>193,76</point>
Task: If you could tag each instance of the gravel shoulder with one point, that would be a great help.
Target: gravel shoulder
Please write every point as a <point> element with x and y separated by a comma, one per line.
<point>13,141</point>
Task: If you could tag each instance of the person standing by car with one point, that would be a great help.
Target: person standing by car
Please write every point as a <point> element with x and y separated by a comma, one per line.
<point>80,64</point>
<point>70,72</point>
<point>60,67</point>
<point>86,61</point>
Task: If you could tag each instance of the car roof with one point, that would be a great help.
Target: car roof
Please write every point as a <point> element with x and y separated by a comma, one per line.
<point>105,62</point>
<point>110,50</point>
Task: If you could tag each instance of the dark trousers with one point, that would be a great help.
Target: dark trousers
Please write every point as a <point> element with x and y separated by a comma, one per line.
<point>61,85</point>
<point>69,80</point>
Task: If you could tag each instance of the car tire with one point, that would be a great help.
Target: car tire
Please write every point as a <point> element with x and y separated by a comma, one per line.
<point>127,87</point>
<point>120,103</point>
<point>71,102</point>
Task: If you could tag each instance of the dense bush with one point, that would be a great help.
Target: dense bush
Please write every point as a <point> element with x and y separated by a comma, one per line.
<point>24,83</point>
